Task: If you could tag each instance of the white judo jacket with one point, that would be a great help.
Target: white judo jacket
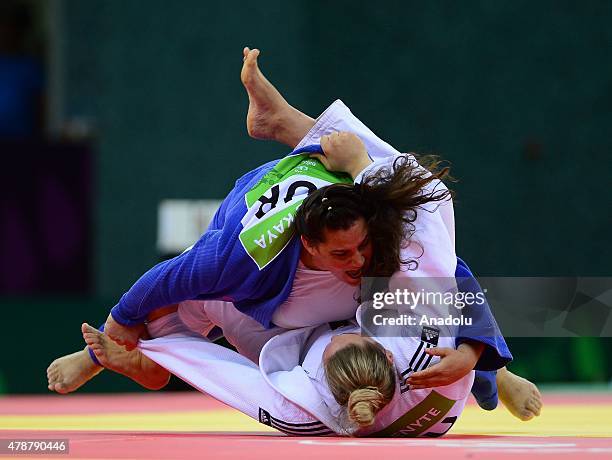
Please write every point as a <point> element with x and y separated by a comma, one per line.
<point>285,390</point>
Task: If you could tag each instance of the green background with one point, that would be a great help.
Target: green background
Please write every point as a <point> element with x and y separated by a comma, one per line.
<point>515,94</point>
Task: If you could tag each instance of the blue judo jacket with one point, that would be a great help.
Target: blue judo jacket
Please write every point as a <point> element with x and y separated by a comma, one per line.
<point>249,254</point>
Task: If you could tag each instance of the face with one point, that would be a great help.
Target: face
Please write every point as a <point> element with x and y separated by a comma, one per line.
<point>345,253</point>
<point>340,341</point>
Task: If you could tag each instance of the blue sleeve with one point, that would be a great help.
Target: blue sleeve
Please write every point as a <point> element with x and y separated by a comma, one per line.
<point>484,328</point>
<point>214,268</point>
<point>194,273</point>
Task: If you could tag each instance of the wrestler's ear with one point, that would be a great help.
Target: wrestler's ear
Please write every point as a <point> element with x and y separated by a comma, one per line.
<point>308,245</point>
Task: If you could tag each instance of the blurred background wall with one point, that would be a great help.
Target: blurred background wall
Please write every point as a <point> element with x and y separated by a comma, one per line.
<point>516,95</point>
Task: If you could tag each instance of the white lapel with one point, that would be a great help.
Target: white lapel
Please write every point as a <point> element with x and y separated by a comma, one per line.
<point>279,363</point>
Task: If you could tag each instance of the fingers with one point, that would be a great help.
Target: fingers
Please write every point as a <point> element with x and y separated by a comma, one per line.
<point>425,386</point>
<point>127,344</point>
<point>335,135</point>
<point>331,140</point>
<point>119,341</point>
<point>325,143</point>
<point>431,371</point>
<point>434,375</point>
<point>429,383</point>
<point>322,158</point>
<point>439,352</point>
<point>426,378</point>
<point>436,380</point>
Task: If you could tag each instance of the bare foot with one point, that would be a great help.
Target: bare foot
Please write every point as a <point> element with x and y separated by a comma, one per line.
<point>132,364</point>
<point>70,372</point>
<point>270,116</point>
<point>521,397</point>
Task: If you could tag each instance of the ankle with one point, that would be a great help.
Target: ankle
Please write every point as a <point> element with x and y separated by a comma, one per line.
<point>87,360</point>
<point>290,126</point>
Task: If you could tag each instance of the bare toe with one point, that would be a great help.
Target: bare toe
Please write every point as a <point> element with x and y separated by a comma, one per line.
<point>86,328</point>
<point>538,404</point>
<point>90,339</point>
<point>60,388</point>
<point>533,407</point>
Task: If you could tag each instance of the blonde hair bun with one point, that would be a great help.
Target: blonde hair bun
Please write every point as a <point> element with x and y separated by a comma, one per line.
<point>364,404</point>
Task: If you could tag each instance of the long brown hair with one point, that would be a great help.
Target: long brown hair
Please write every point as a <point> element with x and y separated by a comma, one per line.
<point>388,200</point>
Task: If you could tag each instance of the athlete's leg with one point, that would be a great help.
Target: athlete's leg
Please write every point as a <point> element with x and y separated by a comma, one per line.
<point>68,373</point>
<point>270,116</point>
<point>244,333</point>
<point>133,364</point>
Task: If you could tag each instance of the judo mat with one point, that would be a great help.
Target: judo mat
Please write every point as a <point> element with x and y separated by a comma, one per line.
<point>191,425</point>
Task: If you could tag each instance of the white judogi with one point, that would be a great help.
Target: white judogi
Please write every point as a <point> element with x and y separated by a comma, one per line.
<point>288,391</point>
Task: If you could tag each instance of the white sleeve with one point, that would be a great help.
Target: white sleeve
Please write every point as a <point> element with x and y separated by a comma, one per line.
<point>232,379</point>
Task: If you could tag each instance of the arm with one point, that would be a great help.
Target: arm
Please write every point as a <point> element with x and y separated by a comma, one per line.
<point>187,276</point>
<point>212,268</point>
<point>194,273</point>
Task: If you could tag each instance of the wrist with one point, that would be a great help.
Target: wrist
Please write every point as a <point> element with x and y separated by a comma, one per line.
<point>359,166</point>
<point>472,349</point>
